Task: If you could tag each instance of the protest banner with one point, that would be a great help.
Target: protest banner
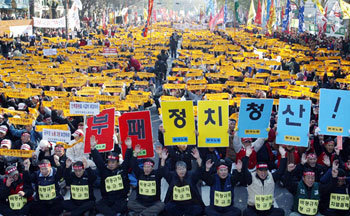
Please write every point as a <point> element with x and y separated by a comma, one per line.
<point>213,123</point>
<point>334,116</point>
<point>178,120</point>
<point>54,135</point>
<point>293,122</point>
<point>254,118</point>
<point>84,108</point>
<point>137,126</point>
<point>102,127</point>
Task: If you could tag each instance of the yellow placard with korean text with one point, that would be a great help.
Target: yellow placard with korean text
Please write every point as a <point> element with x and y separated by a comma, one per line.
<point>17,153</point>
<point>263,202</point>
<point>80,192</point>
<point>21,121</point>
<point>114,183</point>
<point>39,128</point>
<point>182,193</point>
<point>16,201</point>
<point>213,123</point>
<point>47,192</point>
<point>222,198</point>
<point>178,120</point>
<point>308,206</point>
<point>339,201</point>
<point>147,188</point>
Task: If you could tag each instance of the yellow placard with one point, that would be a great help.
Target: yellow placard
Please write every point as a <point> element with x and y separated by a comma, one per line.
<point>21,121</point>
<point>114,183</point>
<point>39,128</point>
<point>335,129</point>
<point>182,193</point>
<point>147,188</point>
<point>263,202</point>
<point>17,153</point>
<point>47,192</point>
<point>222,199</point>
<point>213,123</point>
<point>80,192</point>
<point>307,206</point>
<point>16,201</point>
<point>339,201</point>
<point>178,120</point>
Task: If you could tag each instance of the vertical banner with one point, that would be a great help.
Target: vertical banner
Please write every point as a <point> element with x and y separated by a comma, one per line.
<point>150,9</point>
<point>254,118</point>
<point>137,126</point>
<point>102,127</point>
<point>213,124</point>
<point>178,120</point>
<point>293,122</point>
<point>334,116</point>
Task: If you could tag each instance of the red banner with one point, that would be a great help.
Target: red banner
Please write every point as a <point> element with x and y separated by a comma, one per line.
<point>258,14</point>
<point>150,9</point>
<point>218,19</point>
<point>102,127</point>
<point>137,126</point>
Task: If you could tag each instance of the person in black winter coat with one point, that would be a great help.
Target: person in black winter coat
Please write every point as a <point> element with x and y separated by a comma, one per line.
<point>81,182</point>
<point>160,69</point>
<point>115,183</point>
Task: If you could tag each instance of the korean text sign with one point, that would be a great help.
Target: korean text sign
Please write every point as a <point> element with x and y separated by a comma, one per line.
<point>137,126</point>
<point>254,117</point>
<point>334,117</point>
<point>54,135</point>
<point>293,122</point>
<point>213,124</point>
<point>178,120</point>
<point>84,108</point>
<point>102,127</point>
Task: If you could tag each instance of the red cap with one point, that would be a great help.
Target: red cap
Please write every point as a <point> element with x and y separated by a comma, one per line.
<point>246,139</point>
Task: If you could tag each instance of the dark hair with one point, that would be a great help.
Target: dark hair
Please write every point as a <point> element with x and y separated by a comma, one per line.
<point>44,161</point>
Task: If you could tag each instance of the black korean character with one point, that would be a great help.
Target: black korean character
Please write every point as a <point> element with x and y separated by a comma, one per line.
<point>256,110</point>
<point>137,128</point>
<point>210,113</point>
<point>100,123</point>
<point>289,111</point>
<point>179,117</point>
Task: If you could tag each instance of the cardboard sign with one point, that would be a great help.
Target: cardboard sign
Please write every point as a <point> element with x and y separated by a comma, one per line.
<point>222,198</point>
<point>102,127</point>
<point>147,188</point>
<point>308,206</point>
<point>213,124</point>
<point>339,201</point>
<point>254,117</point>
<point>84,108</point>
<point>80,192</point>
<point>16,201</point>
<point>50,52</point>
<point>110,51</point>
<point>182,193</point>
<point>114,183</point>
<point>56,135</point>
<point>137,126</point>
<point>47,192</point>
<point>263,202</point>
<point>178,120</point>
<point>334,116</point>
<point>293,122</point>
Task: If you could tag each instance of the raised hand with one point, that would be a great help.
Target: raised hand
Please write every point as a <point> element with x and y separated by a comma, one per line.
<point>56,160</point>
<point>326,161</point>
<point>93,142</point>
<point>26,164</point>
<point>195,153</point>
<point>303,159</point>
<point>208,165</point>
<point>164,154</point>
<point>137,150</point>
<point>248,151</point>
<point>282,151</point>
<point>128,142</point>
<point>68,162</point>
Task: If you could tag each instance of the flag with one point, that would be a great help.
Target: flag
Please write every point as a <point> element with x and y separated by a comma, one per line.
<point>322,21</point>
<point>301,17</point>
<point>210,8</point>
<point>218,19</point>
<point>268,7</point>
<point>145,13</point>
<point>319,6</point>
<point>335,14</point>
<point>258,14</point>
<point>236,11</point>
<point>272,17</point>
<point>251,13</point>
<point>225,12</point>
<point>150,9</point>
<point>285,21</point>
<point>263,13</point>
<point>345,7</point>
